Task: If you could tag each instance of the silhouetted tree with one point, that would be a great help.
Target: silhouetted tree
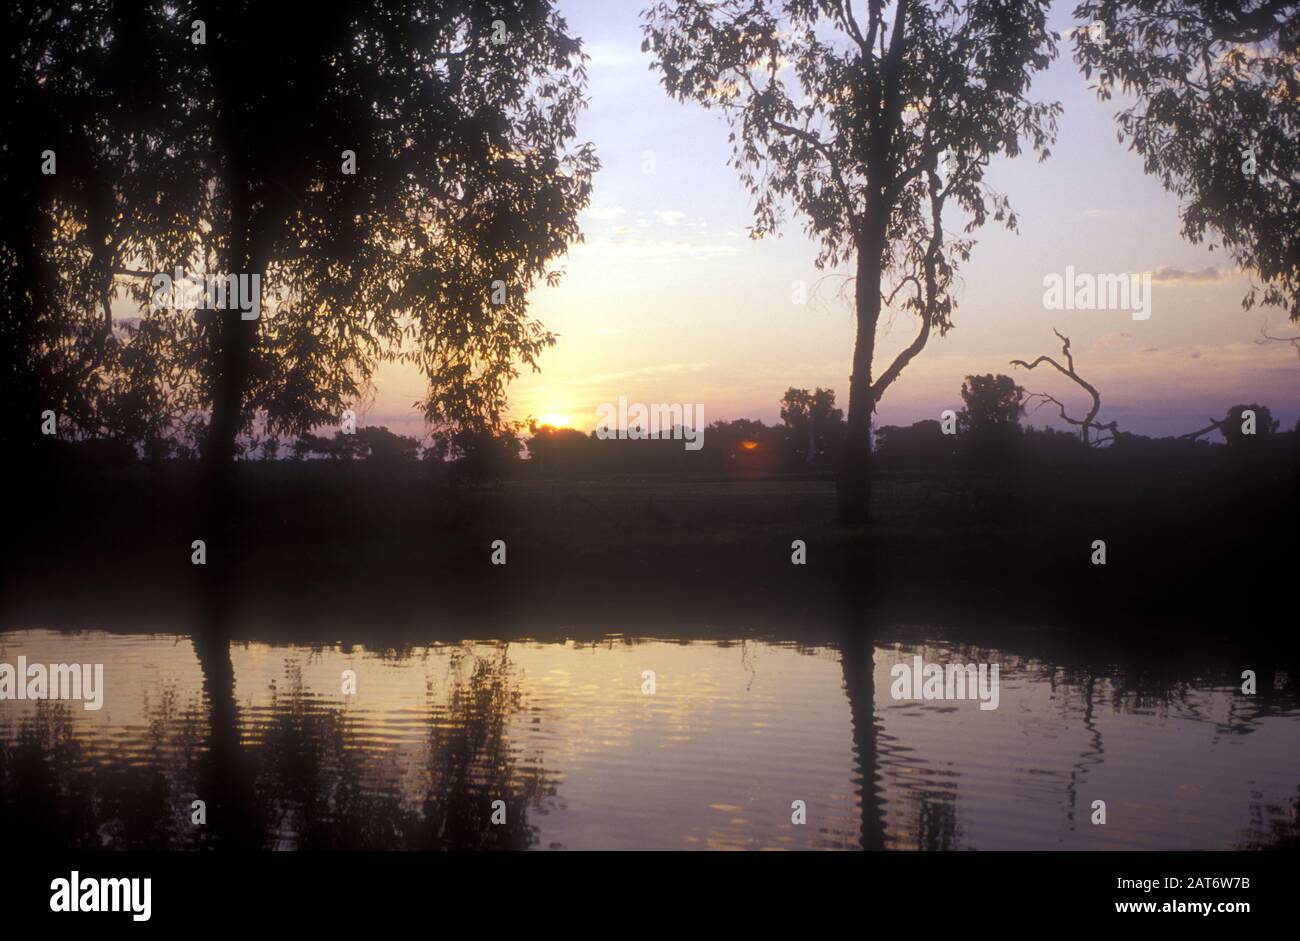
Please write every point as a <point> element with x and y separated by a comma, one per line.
<point>383,446</point>
<point>988,427</point>
<point>814,427</point>
<point>228,157</point>
<point>560,451</point>
<point>1215,115</point>
<point>1261,424</point>
<point>1235,424</point>
<point>871,130</point>
<point>991,403</point>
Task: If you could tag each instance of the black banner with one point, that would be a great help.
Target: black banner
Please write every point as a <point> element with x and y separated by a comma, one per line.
<point>296,890</point>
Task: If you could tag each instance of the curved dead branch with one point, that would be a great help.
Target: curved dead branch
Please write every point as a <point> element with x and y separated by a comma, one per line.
<point>1212,426</point>
<point>1088,422</point>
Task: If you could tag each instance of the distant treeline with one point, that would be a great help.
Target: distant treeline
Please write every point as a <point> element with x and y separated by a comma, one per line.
<point>984,436</point>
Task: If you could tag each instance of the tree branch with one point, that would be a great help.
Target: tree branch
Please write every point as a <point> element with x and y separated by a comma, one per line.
<point>1090,420</point>
<point>821,147</point>
<point>927,307</point>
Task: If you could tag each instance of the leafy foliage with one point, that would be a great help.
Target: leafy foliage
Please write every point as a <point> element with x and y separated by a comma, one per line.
<point>226,156</point>
<point>849,122</point>
<point>1215,116</point>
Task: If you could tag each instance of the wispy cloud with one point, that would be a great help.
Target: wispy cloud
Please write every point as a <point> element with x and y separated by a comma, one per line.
<point>1207,275</point>
<point>634,373</point>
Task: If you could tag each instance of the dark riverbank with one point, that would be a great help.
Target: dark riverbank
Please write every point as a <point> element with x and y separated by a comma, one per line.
<point>334,546</point>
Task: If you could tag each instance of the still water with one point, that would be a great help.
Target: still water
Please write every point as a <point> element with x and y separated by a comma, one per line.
<point>583,756</point>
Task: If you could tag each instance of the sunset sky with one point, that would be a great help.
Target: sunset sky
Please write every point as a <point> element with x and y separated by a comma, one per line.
<point>670,301</point>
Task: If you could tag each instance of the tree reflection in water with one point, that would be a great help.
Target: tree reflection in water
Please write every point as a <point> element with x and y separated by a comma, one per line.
<point>296,772</point>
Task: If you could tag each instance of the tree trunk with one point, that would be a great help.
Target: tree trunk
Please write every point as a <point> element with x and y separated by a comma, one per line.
<point>227,390</point>
<point>232,343</point>
<point>853,485</point>
<point>232,337</point>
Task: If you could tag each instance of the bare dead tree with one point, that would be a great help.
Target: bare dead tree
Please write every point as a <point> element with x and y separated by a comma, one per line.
<point>1088,422</point>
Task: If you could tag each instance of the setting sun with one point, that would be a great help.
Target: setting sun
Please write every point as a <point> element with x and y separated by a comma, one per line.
<point>555,420</point>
